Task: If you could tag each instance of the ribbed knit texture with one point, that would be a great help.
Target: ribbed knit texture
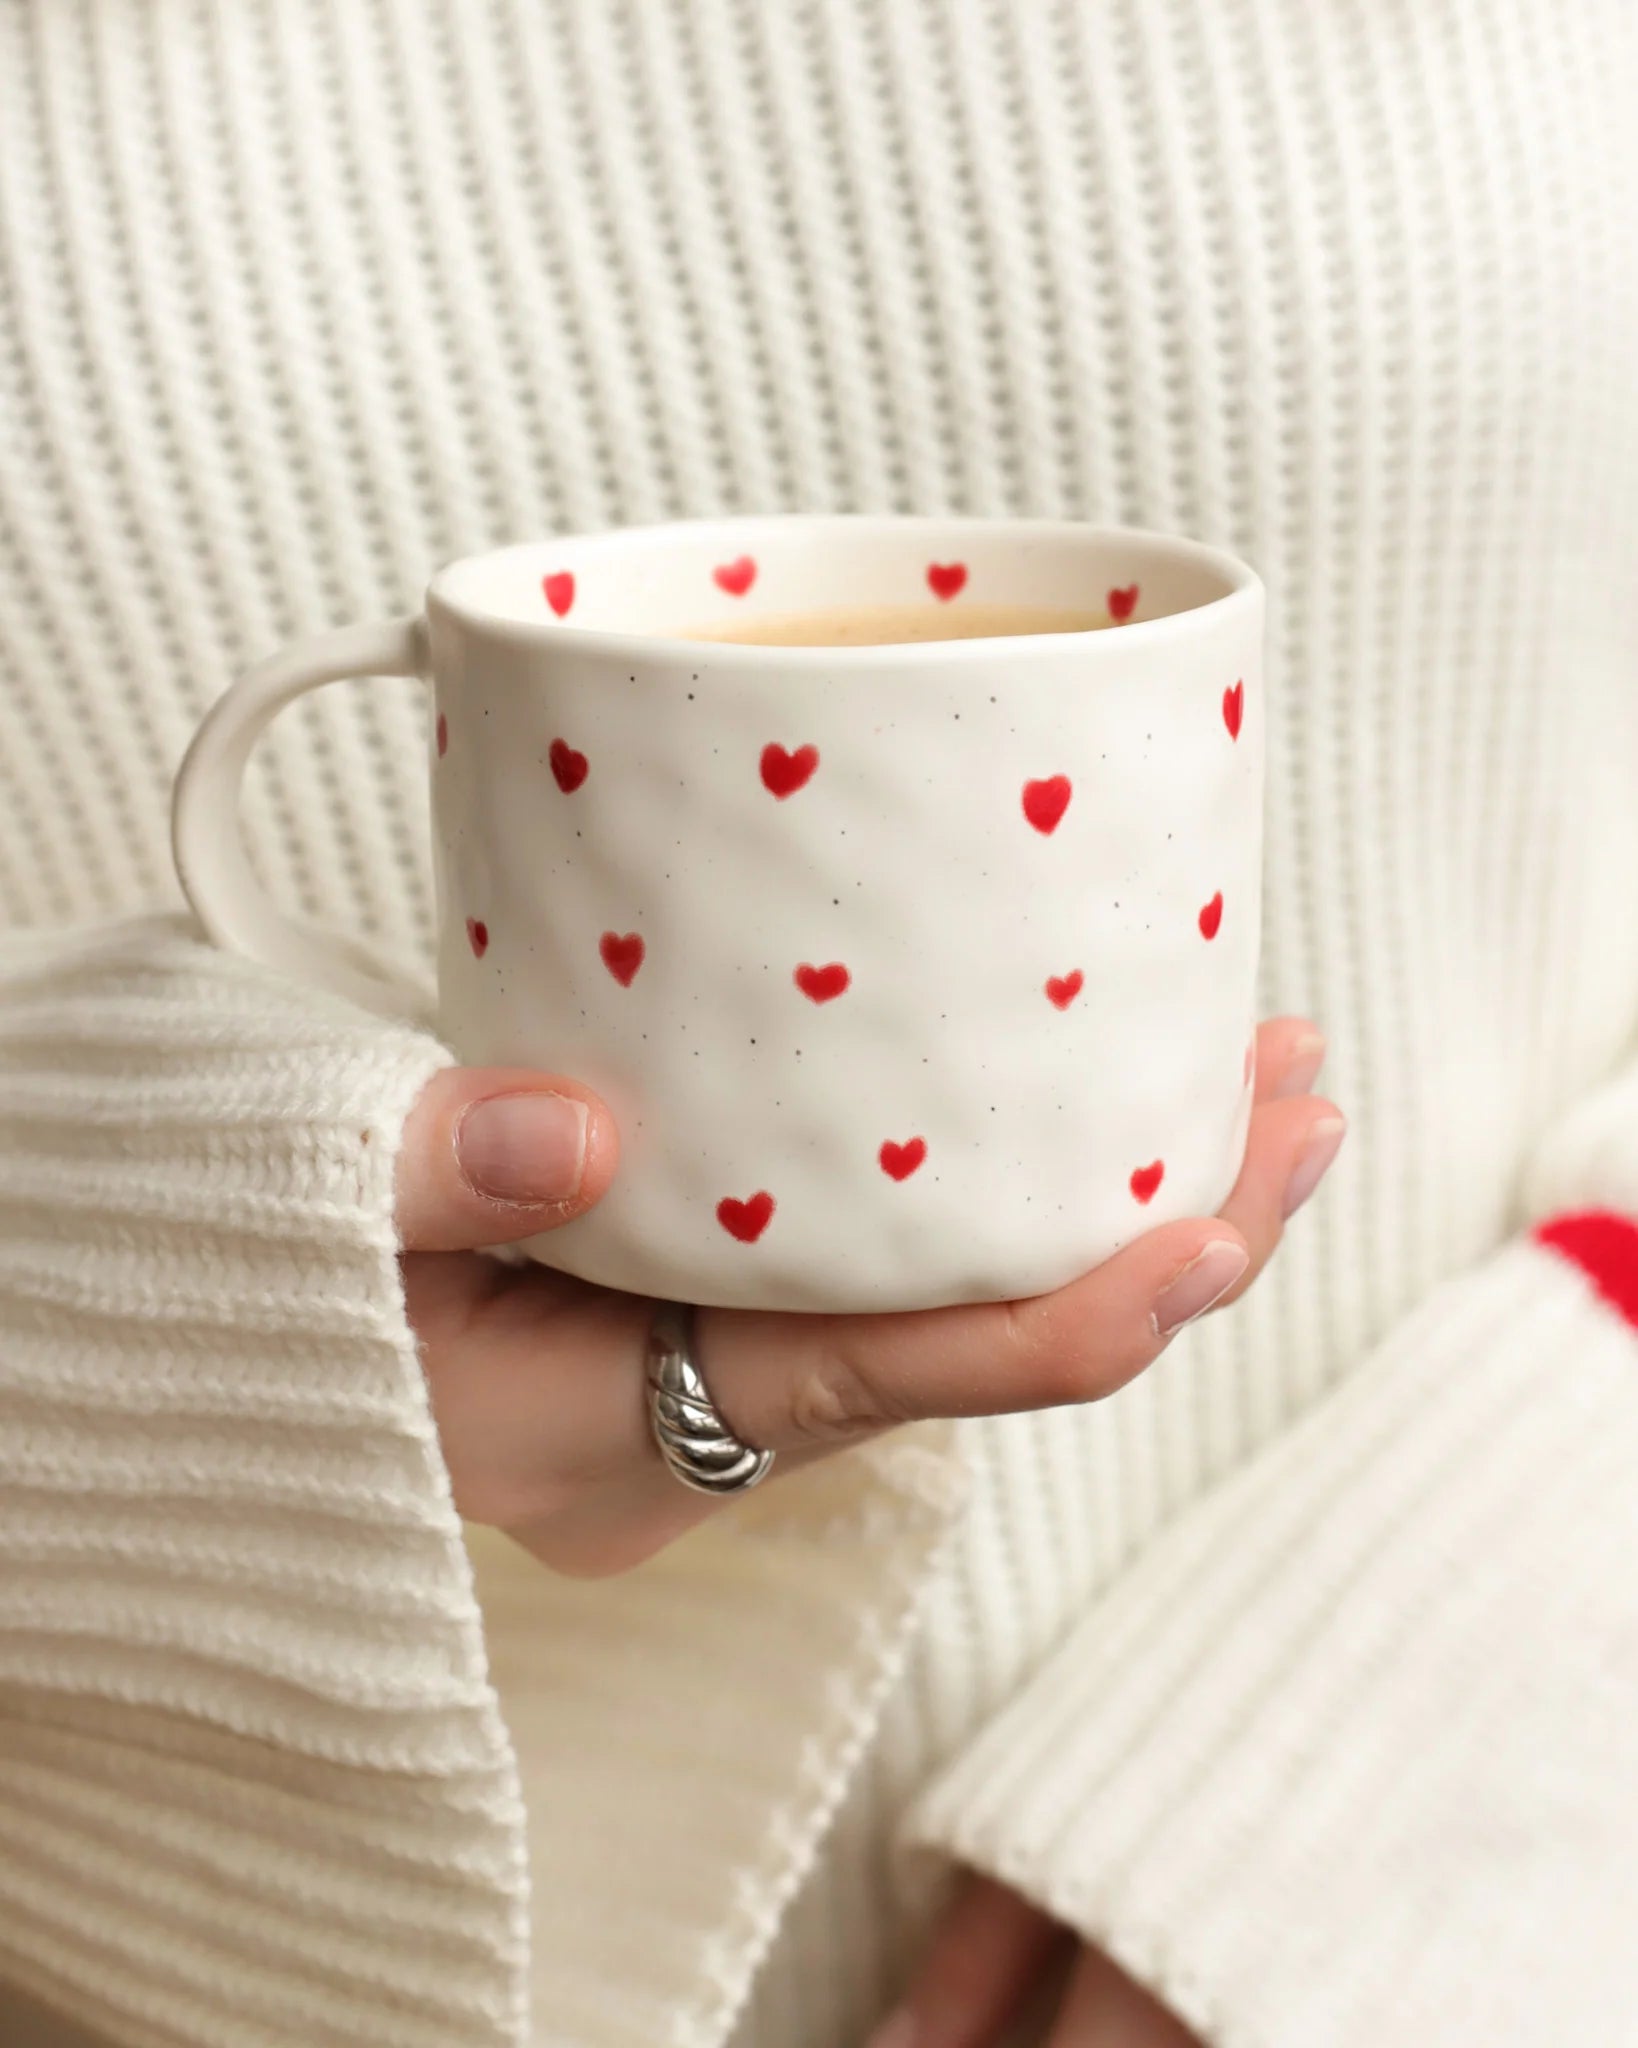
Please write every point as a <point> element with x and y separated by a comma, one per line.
<point>235,1604</point>
<point>1305,1768</point>
<point>300,298</point>
<point>663,1870</point>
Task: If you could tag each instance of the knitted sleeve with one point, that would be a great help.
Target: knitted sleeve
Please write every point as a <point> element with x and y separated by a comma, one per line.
<point>1350,1756</point>
<point>253,1779</point>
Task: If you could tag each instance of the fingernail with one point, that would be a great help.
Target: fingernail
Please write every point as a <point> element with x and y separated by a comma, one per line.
<point>1307,1057</point>
<point>1324,1141</point>
<point>1206,1278</point>
<point>524,1148</point>
<point>898,2030</point>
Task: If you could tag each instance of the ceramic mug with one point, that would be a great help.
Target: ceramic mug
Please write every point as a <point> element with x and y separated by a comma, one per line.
<point>913,974</point>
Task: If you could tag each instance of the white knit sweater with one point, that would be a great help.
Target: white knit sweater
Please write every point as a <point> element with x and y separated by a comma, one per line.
<point>1299,1674</point>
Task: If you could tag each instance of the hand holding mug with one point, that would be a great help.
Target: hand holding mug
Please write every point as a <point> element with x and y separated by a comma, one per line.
<point>537,1379</point>
<point>891,887</point>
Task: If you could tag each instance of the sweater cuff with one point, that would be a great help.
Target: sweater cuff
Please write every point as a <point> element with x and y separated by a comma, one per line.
<point>1349,1757</point>
<point>253,1779</point>
<point>1588,1158</point>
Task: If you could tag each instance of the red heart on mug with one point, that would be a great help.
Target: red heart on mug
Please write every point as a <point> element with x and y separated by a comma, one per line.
<point>1045,802</point>
<point>477,936</point>
<point>822,984</point>
<point>1147,1179</point>
<point>1122,603</point>
<point>1212,916</point>
<point>443,735</point>
<point>559,589</point>
<point>945,579</point>
<point>785,773</point>
<point>736,577</point>
<point>746,1220</point>
<point>622,955</point>
<point>1234,705</point>
<point>1062,989</point>
<point>568,766</point>
<point>900,1161</point>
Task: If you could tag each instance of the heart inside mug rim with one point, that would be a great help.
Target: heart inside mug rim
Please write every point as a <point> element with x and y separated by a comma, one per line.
<point>664,585</point>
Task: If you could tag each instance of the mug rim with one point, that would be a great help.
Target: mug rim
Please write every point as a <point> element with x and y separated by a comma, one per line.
<point>1244,586</point>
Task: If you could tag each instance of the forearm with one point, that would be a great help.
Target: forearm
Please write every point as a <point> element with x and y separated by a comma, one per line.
<point>1344,1758</point>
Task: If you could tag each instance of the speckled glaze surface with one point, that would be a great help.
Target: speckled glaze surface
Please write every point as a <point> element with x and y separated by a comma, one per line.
<point>913,974</point>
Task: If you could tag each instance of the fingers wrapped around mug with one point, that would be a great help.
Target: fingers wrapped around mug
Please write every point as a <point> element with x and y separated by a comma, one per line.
<point>843,1377</point>
<point>537,1379</point>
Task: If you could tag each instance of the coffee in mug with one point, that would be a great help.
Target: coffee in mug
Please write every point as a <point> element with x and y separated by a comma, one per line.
<point>893,625</point>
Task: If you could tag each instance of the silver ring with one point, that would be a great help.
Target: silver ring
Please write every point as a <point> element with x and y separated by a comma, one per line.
<point>695,1442</point>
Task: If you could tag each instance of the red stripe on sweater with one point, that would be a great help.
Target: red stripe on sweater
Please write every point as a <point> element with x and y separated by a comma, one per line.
<point>1605,1247</point>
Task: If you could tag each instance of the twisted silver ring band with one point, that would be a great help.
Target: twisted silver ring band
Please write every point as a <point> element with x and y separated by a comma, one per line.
<point>694,1440</point>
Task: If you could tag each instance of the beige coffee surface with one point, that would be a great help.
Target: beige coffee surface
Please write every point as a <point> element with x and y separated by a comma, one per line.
<point>890,625</point>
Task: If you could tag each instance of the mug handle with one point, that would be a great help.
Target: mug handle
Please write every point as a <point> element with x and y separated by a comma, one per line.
<point>210,857</point>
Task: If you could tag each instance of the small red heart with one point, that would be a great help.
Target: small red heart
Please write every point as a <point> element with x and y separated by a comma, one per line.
<point>785,773</point>
<point>822,984</point>
<point>1212,916</point>
<point>735,577</point>
<point>1062,989</point>
<point>622,955</point>
<point>477,936</point>
<point>559,590</point>
<point>945,579</point>
<point>1147,1179</point>
<point>443,735</point>
<point>1234,705</point>
<point>1045,802</point>
<point>568,766</point>
<point>900,1161</point>
<point>1122,603</point>
<point>746,1220</point>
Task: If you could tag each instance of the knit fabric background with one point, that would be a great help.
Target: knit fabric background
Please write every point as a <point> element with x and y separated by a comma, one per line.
<point>300,298</point>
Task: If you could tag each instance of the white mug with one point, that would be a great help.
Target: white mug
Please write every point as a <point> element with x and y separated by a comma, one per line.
<point>914,974</point>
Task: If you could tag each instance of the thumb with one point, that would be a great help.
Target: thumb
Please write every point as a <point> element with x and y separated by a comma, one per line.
<point>494,1154</point>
